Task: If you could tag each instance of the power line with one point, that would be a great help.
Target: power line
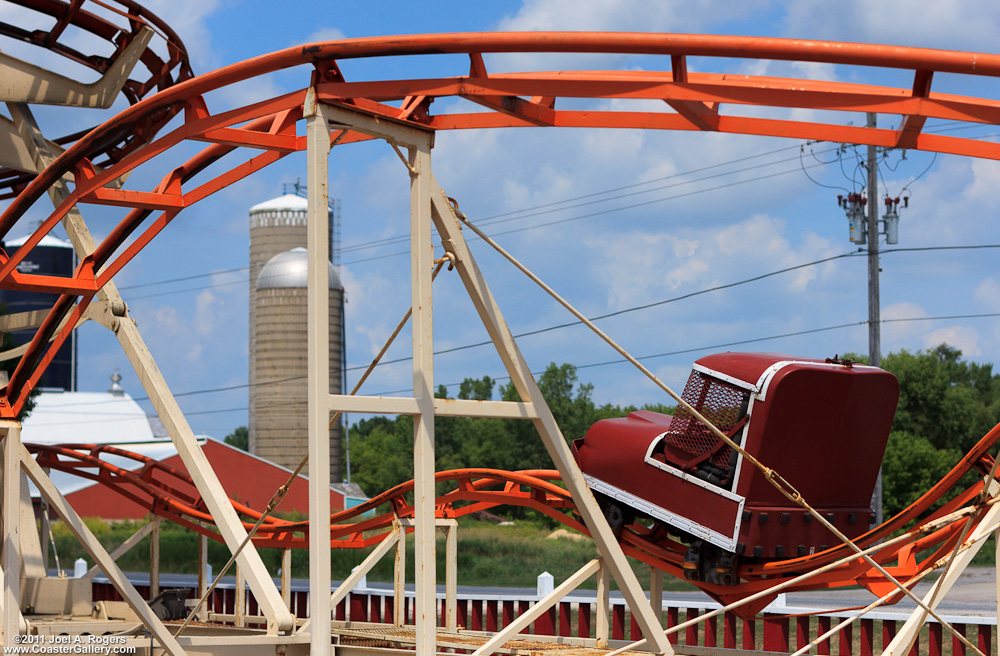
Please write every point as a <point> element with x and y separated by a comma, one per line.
<point>191,289</point>
<point>186,278</point>
<point>229,388</point>
<point>859,253</point>
<point>613,209</point>
<point>741,342</point>
<point>645,307</point>
<point>542,210</point>
<point>944,127</point>
<point>532,211</point>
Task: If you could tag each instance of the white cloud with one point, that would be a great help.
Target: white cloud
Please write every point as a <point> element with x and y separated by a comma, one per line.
<point>624,15</point>
<point>206,314</point>
<point>247,92</point>
<point>988,293</point>
<point>965,338</point>
<point>959,24</point>
<point>640,265</point>
<point>189,19</point>
<point>323,34</point>
<point>902,331</point>
<point>612,16</point>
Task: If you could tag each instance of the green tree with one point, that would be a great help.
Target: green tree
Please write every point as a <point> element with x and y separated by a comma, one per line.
<point>240,438</point>
<point>912,465</point>
<point>950,402</point>
<point>382,451</point>
<point>946,404</point>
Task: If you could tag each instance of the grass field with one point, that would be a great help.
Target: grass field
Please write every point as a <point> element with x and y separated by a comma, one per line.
<point>488,554</point>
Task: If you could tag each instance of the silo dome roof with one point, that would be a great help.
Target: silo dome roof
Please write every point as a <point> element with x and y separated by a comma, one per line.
<point>286,203</point>
<point>290,270</point>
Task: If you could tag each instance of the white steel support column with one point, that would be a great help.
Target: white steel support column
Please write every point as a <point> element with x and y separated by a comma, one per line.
<point>11,433</point>
<point>424,191</point>
<point>318,335</point>
<point>422,261</point>
<point>203,577</point>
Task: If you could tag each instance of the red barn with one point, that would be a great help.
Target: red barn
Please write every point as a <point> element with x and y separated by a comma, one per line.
<point>245,477</point>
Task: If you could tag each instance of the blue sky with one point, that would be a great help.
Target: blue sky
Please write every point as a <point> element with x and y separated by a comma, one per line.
<point>611,219</point>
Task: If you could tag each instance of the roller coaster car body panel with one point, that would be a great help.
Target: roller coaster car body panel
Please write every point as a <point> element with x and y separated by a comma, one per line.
<point>822,425</point>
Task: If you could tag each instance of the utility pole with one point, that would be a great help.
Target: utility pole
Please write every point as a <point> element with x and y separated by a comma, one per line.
<point>874,320</point>
<point>864,230</point>
<point>874,332</point>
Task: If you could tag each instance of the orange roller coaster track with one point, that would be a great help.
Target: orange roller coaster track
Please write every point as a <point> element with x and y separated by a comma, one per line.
<point>122,22</point>
<point>170,493</point>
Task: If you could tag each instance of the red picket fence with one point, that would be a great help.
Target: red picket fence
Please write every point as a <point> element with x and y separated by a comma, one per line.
<point>576,616</point>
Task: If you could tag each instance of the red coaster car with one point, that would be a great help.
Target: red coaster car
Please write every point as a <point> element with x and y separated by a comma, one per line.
<point>821,424</point>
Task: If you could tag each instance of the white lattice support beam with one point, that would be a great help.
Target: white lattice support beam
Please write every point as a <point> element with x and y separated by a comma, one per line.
<point>602,628</point>
<point>656,592</point>
<point>203,577</point>
<point>27,83</point>
<point>318,371</point>
<point>124,328</point>
<point>286,578</point>
<point>31,548</point>
<point>450,528</point>
<point>13,622</point>
<point>124,548</point>
<point>399,579</point>
<point>418,143</point>
<point>14,152</point>
<point>240,603</point>
<point>543,604</point>
<point>96,551</point>
<point>449,228</point>
<point>362,570</point>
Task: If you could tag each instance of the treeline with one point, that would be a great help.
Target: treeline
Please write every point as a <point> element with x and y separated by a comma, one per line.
<point>382,448</point>
<point>946,405</point>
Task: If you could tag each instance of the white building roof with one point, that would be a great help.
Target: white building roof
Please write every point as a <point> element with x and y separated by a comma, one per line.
<point>86,418</point>
<point>47,240</point>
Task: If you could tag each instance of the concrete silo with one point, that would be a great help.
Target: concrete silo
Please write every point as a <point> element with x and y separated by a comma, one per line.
<point>278,344</point>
